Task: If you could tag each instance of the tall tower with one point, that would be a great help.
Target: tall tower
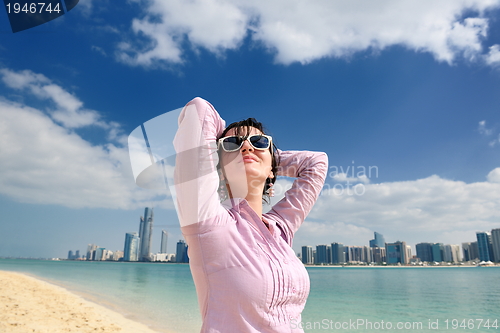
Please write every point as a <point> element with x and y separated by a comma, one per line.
<point>484,245</point>
<point>145,233</point>
<point>378,240</point>
<point>164,238</point>
<point>337,253</point>
<point>495,243</point>
<point>131,248</point>
<point>307,255</point>
<point>181,253</point>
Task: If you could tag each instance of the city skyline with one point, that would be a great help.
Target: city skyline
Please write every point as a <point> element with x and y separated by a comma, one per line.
<point>423,250</point>
<point>484,249</point>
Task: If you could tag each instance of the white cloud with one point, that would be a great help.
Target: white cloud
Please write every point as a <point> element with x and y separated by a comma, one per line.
<point>482,128</point>
<point>304,31</point>
<point>44,162</point>
<point>493,57</point>
<point>343,177</point>
<point>69,109</point>
<point>432,209</point>
<point>494,176</point>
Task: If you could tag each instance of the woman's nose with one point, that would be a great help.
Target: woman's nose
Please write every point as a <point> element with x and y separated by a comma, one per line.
<point>246,146</point>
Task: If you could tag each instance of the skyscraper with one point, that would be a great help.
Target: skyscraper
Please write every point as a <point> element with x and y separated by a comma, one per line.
<point>131,248</point>
<point>91,251</point>
<point>495,244</point>
<point>164,238</point>
<point>396,253</point>
<point>437,252</point>
<point>378,241</point>
<point>145,233</point>
<point>307,255</point>
<point>338,256</point>
<point>484,246</point>
<point>424,251</point>
<point>181,253</point>
<point>322,254</point>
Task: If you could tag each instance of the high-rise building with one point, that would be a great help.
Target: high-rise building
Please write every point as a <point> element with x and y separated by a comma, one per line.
<point>307,255</point>
<point>378,255</point>
<point>424,251</point>
<point>181,253</point>
<point>408,253</point>
<point>70,255</point>
<point>77,254</point>
<point>466,251</point>
<point>451,253</point>
<point>495,244</point>
<point>164,238</point>
<point>91,248</point>
<point>322,255</point>
<point>396,253</point>
<point>484,246</point>
<point>378,241</point>
<point>100,254</point>
<point>470,251</point>
<point>437,252</point>
<point>131,247</point>
<point>145,233</point>
<point>338,256</point>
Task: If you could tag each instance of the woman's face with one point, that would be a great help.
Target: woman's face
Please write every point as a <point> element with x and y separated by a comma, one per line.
<point>247,169</point>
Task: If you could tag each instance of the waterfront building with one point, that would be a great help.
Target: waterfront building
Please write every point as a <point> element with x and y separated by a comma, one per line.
<point>91,248</point>
<point>378,241</point>
<point>164,238</point>
<point>131,247</point>
<point>70,255</point>
<point>408,254</point>
<point>165,257</point>
<point>145,233</point>
<point>396,253</point>
<point>100,254</point>
<point>367,254</point>
<point>181,253</point>
<point>338,256</point>
<point>437,252</point>
<point>466,251</point>
<point>322,254</point>
<point>307,255</point>
<point>424,251</point>
<point>451,253</point>
<point>117,255</point>
<point>77,254</point>
<point>378,255</point>
<point>495,244</point>
<point>484,246</point>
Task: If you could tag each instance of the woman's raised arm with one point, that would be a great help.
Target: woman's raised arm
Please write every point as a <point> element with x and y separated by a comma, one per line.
<point>195,174</point>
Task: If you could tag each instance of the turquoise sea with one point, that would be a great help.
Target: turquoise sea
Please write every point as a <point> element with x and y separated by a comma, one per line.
<point>374,299</point>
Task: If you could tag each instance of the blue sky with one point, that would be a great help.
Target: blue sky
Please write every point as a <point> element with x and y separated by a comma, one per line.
<point>409,89</point>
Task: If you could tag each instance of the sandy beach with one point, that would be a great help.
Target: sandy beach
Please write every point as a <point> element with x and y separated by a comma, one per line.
<point>31,305</point>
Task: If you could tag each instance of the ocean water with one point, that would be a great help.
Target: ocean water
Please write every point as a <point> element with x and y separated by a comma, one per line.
<point>341,299</point>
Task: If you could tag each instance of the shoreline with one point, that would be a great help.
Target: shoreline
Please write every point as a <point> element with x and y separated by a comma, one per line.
<point>31,304</point>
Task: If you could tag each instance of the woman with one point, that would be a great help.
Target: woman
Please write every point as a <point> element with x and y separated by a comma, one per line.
<point>247,276</point>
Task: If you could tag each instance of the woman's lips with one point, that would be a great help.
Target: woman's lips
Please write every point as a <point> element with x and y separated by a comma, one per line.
<point>249,159</point>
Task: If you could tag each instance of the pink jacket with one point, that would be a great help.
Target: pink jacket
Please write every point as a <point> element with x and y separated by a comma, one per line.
<point>247,277</point>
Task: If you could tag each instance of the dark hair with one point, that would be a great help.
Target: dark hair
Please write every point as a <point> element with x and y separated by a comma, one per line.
<point>242,128</point>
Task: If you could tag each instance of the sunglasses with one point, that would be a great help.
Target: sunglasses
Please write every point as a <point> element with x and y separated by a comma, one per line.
<point>233,143</point>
